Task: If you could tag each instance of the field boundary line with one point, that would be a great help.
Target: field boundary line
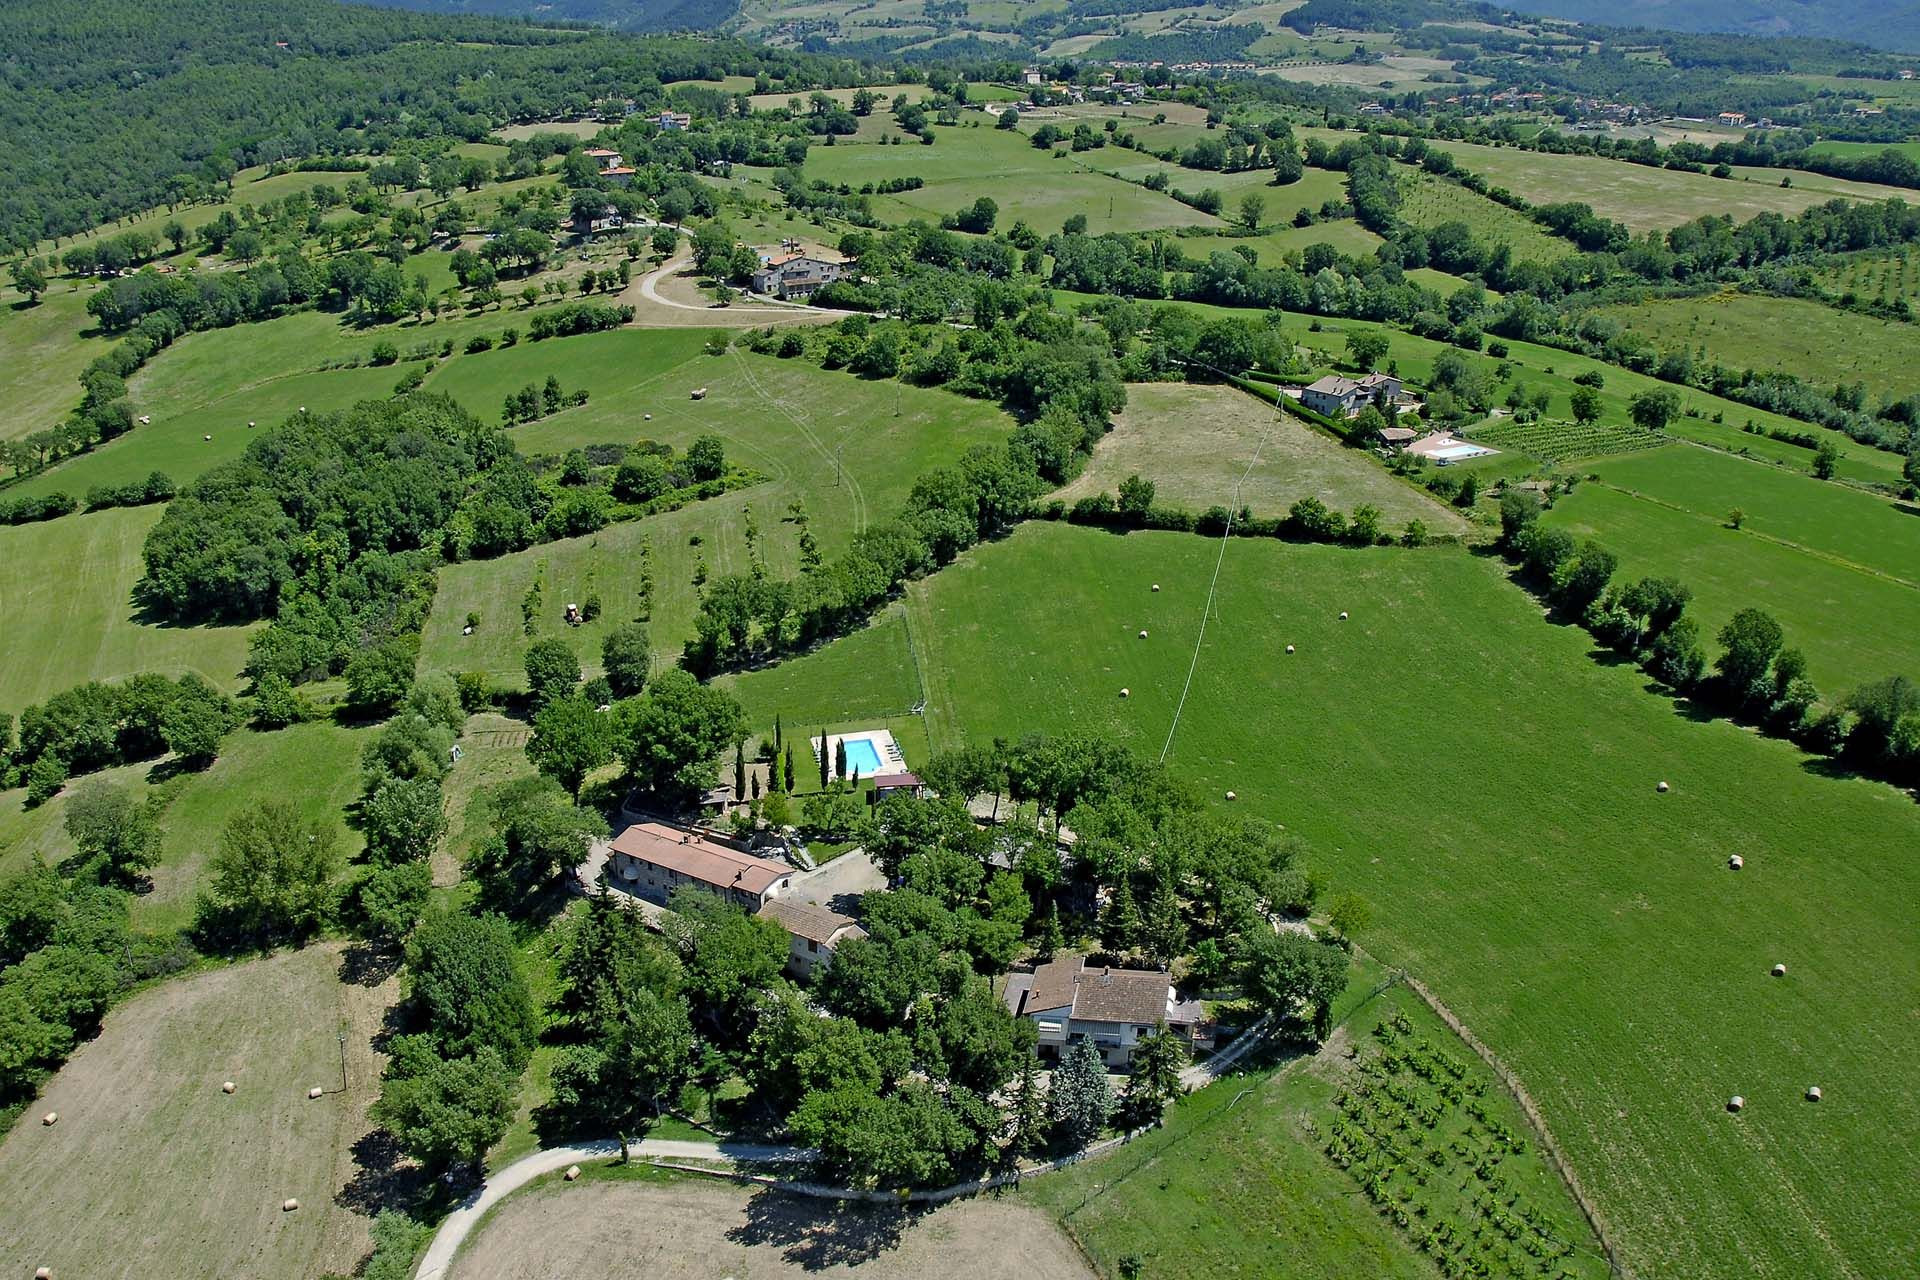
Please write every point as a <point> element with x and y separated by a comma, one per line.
<point>1839,562</point>
<point>1555,1156</point>
<point>1213,584</point>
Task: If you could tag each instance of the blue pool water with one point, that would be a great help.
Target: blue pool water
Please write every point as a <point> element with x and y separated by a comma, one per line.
<point>861,757</point>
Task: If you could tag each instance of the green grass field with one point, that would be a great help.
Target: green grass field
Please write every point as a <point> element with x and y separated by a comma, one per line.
<point>1243,1169</point>
<point>847,449</point>
<point>67,587</point>
<point>1645,198</point>
<point>1208,445</point>
<point>974,160</point>
<point>1823,345</point>
<point>1830,148</point>
<point>1583,926</point>
<point>1834,565</point>
<point>1427,201</point>
<point>314,766</point>
<point>43,353</point>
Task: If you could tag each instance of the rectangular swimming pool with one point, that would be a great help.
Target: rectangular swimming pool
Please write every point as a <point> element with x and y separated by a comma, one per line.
<point>863,757</point>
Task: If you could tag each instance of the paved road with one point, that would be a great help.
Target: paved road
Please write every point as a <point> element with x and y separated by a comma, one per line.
<point>455,1228</point>
<point>650,290</point>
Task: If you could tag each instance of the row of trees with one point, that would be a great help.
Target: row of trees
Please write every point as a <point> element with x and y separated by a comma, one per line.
<point>1756,676</point>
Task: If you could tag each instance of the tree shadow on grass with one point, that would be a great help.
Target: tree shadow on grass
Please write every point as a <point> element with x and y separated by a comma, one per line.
<point>816,1234</point>
<point>383,1177</point>
<point>365,965</point>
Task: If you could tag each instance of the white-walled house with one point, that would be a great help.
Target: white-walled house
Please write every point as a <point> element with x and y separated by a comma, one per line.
<point>813,933</point>
<point>1069,1000</point>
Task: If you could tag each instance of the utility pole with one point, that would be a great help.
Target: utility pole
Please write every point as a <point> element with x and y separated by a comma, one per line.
<point>343,1062</point>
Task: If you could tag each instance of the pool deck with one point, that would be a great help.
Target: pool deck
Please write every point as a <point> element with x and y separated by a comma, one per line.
<point>886,751</point>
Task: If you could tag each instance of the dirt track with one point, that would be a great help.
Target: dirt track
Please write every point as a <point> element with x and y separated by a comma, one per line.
<point>698,1231</point>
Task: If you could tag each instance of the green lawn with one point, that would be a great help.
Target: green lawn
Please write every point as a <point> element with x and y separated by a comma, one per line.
<point>1243,1173</point>
<point>66,587</point>
<point>1470,769</point>
<point>1811,341</point>
<point>313,766</point>
<point>848,449</point>
<point>967,162</point>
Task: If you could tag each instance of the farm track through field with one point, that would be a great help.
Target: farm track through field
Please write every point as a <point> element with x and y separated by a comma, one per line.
<point>857,496</point>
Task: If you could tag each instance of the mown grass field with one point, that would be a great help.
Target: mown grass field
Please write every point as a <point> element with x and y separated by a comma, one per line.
<point>1211,445</point>
<point>848,450</point>
<point>1642,197</point>
<point>66,587</point>
<point>974,159</point>
<point>153,1171</point>
<point>43,352</point>
<point>1834,565</point>
<point>1498,808</point>
<point>1823,345</point>
<point>313,766</point>
<point>1243,1173</point>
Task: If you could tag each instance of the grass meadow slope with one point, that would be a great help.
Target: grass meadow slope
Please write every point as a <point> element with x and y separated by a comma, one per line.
<point>1499,809</point>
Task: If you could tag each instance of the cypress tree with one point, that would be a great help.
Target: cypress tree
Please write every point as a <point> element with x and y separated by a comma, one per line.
<point>823,757</point>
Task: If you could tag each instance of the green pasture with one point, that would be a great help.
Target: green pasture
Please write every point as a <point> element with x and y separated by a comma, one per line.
<point>1498,809</point>
<point>66,589</point>
<point>847,449</point>
<point>43,351</point>
<point>313,766</point>
<point>1815,342</point>
<point>1911,150</point>
<point>215,382</point>
<point>1642,197</point>
<point>1241,1172</point>
<point>1859,463</point>
<point>1854,626</point>
<point>974,160</point>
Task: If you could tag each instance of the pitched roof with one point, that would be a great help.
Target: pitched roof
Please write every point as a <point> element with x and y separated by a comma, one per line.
<point>1334,385</point>
<point>804,920</point>
<point>699,858</point>
<point>896,780</point>
<point>1100,994</point>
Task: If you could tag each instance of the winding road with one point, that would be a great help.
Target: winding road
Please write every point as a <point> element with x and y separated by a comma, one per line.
<point>458,1225</point>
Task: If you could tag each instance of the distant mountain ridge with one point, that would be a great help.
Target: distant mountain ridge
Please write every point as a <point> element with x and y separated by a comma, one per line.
<point>1885,24</point>
<point>621,15</point>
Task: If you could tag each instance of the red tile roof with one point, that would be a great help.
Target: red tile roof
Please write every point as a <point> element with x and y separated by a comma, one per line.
<point>698,858</point>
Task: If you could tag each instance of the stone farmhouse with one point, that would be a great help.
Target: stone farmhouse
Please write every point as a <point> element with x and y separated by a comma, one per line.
<point>1069,1001</point>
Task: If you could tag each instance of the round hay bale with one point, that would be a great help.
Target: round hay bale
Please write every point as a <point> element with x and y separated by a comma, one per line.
<point>289,1205</point>
<point>647,417</point>
<point>314,1092</point>
<point>249,425</point>
<point>1289,648</point>
<point>227,1086</point>
<point>1143,635</point>
<point>1779,971</point>
<point>1736,862</point>
<point>573,1171</point>
<point>1736,1102</point>
<point>1343,615</point>
<point>1156,586</point>
<point>1232,796</point>
<point>51,1118</point>
<point>43,1273</point>
<point>206,437</point>
<point>1126,693</point>
<point>1813,1093</point>
<point>1661,786</point>
<point>303,408</point>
